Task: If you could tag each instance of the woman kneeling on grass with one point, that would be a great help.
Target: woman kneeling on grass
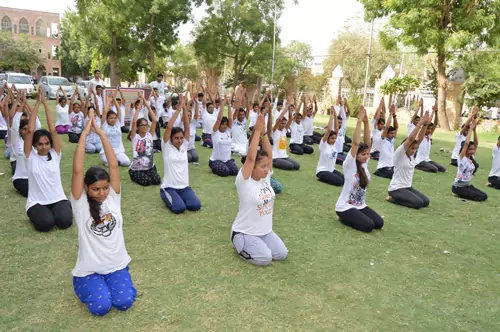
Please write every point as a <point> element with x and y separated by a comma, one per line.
<point>175,190</point>
<point>400,189</point>
<point>325,171</point>
<point>351,207</point>
<point>101,277</point>
<point>466,169</point>
<point>252,231</point>
<point>494,176</point>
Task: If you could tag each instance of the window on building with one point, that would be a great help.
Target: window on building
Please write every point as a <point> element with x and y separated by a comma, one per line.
<point>24,26</point>
<point>32,30</point>
<point>6,24</point>
<point>49,56</point>
<point>15,28</point>
<point>41,29</point>
<point>55,71</point>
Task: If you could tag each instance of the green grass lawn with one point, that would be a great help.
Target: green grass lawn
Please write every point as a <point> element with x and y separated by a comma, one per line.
<point>431,270</point>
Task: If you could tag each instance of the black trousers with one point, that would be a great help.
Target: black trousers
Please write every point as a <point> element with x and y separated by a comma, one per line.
<point>334,178</point>
<point>454,162</point>
<point>430,166</point>
<point>145,178</point>
<point>21,186</point>
<point>45,217</point>
<point>315,138</point>
<point>470,193</point>
<point>73,138</point>
<point>125,130</point>
<point>300,149</point>
<point>286,164</point>
<point>348,140</point>
<point>364,220</point>
<point>409,197</point>
<point>13,166</point>
<point>494,182</point>
<point>3,133</point>
<point>385,172</point>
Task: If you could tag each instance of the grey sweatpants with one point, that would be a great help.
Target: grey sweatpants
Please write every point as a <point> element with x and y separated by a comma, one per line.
<point>259,250</point>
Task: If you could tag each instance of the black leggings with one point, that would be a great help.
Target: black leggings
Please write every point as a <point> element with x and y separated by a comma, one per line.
<point>21,186</point>
<point>494,182</point>
<point>286,164</point>
<point>73,138</point>
<point>145,178</point>
<point>300,149</point>
<point>3,133</point>
<point>44,217</point>
<point>364,220</point>
<point>470,193</point>
<point>409,197</point>
<point>334,178</point>
<point>385,172</point>
<point>430,166</point>
<point>13,166</point>
<point>125,130</point>
<point>454,162</point>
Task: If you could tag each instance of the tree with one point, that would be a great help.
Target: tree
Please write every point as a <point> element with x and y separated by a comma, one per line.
<point>182,62</point>
<point>399,85</point>
<point>482,84</point>
<point>22,53</point>
<point>436,26</point>
<point>241,30</point>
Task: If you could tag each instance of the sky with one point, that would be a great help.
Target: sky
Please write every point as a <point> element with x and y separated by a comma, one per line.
<point>323,19</point>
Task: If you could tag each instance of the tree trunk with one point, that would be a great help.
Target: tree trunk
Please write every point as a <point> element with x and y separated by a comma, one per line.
<point>236,71</point>
<point>151,47</point>
<point>114,70</point>
<point>441,77</point>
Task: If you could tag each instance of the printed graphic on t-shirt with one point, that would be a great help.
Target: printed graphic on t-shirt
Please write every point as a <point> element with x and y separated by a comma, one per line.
<point>282,143</point>
<point>106,226</point>
<point>357,194</point>
<point>267,198</point>
<point>144,154</point>
<point>465,171</point>
<point>334,155</point>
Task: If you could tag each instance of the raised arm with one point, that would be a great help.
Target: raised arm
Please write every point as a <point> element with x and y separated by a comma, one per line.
<point>249,164</point>
<point>79,159</point>
<point>166,135</point>
<point>330,125</point>
<point>219,115</point>
<point>388,123</point>
<point>436,118</point>
<point>114,171</point>
<point>420,106</point>
<point>106,110</point>
<point>56,142</point>
<point>467,139</point>
<point>395,120</point>
<point>229,117</point>
<point>28,139</point>
<point>122,97</point>
<point>419,131</point>
<point>315,102</point>
<point>366,131</point>
<point>357,132</point>
<point>71,101</point>
<point>64,94</point>
<point>133,129</point>
<point>471,117</point>
<point>476,136</point>
<point>185,117</point>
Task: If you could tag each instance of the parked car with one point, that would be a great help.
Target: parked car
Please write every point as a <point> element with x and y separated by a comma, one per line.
<point>50,85</point>
<point>83,88</point>
<point>21,81</point>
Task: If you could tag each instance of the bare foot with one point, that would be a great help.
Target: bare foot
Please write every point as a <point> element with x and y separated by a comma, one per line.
<point>388,198</point>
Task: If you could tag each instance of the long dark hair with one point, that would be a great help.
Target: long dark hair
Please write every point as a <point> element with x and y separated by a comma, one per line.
<point>94,174</point>
<point>176,130</point>
<point>363,178</point>
<point>42,133</point>
<point>24,122</point>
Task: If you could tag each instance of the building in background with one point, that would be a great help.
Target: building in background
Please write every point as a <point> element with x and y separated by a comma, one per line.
<point>38,26</point>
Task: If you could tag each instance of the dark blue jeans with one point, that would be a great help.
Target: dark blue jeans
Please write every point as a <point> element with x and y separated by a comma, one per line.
<point>180,200</point>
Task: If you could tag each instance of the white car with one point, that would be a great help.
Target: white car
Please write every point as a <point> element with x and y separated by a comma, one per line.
<point>21,81</point>
<point>83,88</point>
<point>50,85</point>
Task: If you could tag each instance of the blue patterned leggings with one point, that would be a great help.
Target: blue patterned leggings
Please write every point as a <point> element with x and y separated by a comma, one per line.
<point>100,292</point>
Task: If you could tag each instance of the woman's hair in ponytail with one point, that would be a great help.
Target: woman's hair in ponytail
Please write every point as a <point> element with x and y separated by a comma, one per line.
<point>363,178</point>
<point>94,174</point>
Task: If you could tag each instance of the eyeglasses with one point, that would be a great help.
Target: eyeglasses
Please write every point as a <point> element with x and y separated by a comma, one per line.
<point>143,125</point>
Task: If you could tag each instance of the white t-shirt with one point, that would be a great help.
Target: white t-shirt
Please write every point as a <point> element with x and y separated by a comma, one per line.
<point>221,145</point>
<point>122,111</point>
<point>18,149</point>
<point>256,204</point>
<point>465,171</point>
<point>114,135</point>
<point>175,166</point>
<point>76,120</point>
<point>142,150</point>
<point>192,132</point>
<point>143,114</point>
<point>339,142</point>
<point>14,131</point>
<point>44,179</point>
<point>404,168</point>
<point>93,138</point>
<point>297,133</point>
<point>495,165</point>
<point>376,139</point>
<point>327,157</point>
<point>3,123</point>
<point>239,131</point>
<point>307,123</point>
<point>178,121</point>
<point>424,150</point>
<point>62,115</point>
<point>161,86</point>
<point>94,83</point>
<point>209,121</point>
<point>352,195</point>
<point>459,138</point>
<point>386,158</point>
<point>253,118</point>
<point>411,126</point>
<point>280,144</point>
<point>101,247</point>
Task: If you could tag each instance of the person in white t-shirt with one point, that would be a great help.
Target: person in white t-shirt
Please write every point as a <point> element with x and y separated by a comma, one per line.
<point>385,166</point>
<point>239,131</point>
<point>220,161</point>
<point>20,177</point>
<point>460,138</point>
<point>297,145</point>
<point>311,136</point>
<point>342,139</point>
<point>98,99</point>
<point>120,104</point>
<point>462,186</point>
<point>97,81</point>
<point>416,118</point>
<point>142,169</point>
<point>47,205</point>
<point>252,234</point>
<point>192,116</point>
<point>76,118</point>
<point>280,155</point>
<point>423,159</point>
<point>494,176</point>
<point>175,191</point>
<point>325,171</point>
<point>62,111</point>
<point>209,116</point>
<point>111,125</point>
<point>93,142</point>
<point>401,191</point>
<point>159,84</point>
<point>351,206</point>
<point>101,277</point>
<point>377,130</point>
